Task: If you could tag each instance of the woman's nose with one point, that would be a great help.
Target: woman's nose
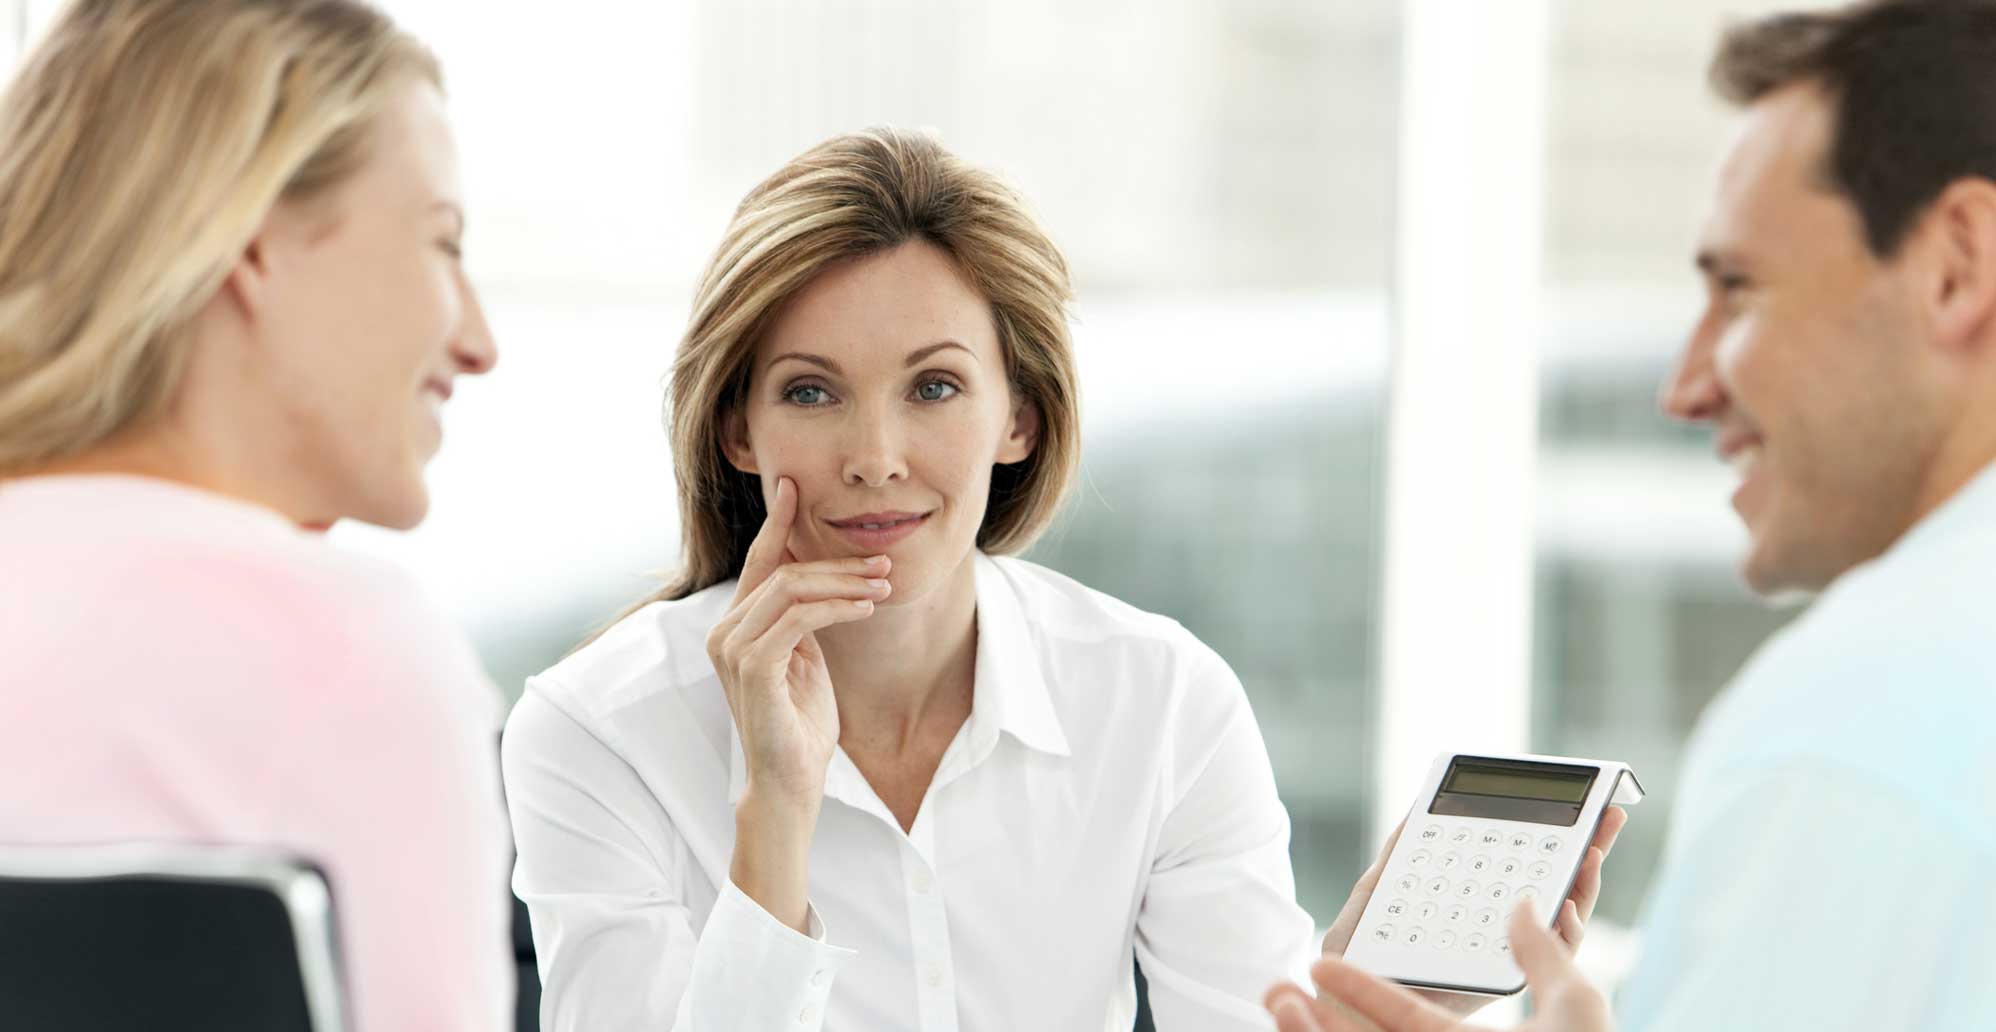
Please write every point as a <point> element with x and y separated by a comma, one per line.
<point>873,453</point>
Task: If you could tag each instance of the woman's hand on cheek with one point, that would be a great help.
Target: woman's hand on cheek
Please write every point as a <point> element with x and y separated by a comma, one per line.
<point>768,660</point>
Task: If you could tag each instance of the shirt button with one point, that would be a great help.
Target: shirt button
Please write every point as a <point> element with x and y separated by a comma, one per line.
<point>922,882</point>
<point>935,978</point>
<point>809,1015</point>
<point>820,977</point>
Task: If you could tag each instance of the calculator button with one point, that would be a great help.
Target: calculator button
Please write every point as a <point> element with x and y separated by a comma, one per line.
<point>1426,911</point>
<point>1550,844</point>
<point>1461,837</point>
<point>1490,837</point>
<point>1407,882</point>
<point>1520,841</point>
<point>1529,892</point>
<point>1510,866</point>
<point>1419,859</point>
<point>1397,908</point>
<point>1413,936</point>
<point>1503,947</point>
<point>1437,886</point>
<point>1383,933</point>
<point>1444,940</point>
<point>1498,891</point>
<point>1474,942</point>
<point>1467,889</point>
<point>1479,864</point>
<point>1486,917</point>
<point>1539,870</point>
<point>1431,833</point>
<point>1456,913</point>
<point>1449,862</point>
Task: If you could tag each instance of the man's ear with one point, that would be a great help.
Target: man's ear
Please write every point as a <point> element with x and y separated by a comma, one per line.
<point>735,440</point>
<point>1961,284</point>
<point>1023,435</point>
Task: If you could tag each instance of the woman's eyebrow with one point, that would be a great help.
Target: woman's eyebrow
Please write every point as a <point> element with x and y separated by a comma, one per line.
<point>832,367</point>
<point>921,353</point>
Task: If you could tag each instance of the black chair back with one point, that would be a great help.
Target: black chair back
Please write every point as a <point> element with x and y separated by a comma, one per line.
<point>131,937</point>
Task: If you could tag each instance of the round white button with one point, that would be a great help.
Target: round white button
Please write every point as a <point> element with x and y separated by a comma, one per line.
<point>1455,914</point>
<point>1498,891</point>
<point>1539,870</point>
<point>820,977</point>
<point>1426,911</point>
<point>1474,942</point>
<point>1504,947</point>
<point>1450,862</point>
<point>809,1015</point>
<point>1407,882</point>
<point>1550,844</point>
<point>1431,833</point>
<point>1437,886</point>
<point>922,882</point>
<point>1414,937</point>
<point>1420,858</point>
<point>1486,917</point>
<point>1383,933</point>
<point>935,978</point>
<point>1510,866</point>
<point>1529,892</point>
<point>1520,840</point>
<point>1397,908</point>
<point>1444,939</point>
<point>1490,837</point>
<point>1479,864</point>
<point>1461,836</point>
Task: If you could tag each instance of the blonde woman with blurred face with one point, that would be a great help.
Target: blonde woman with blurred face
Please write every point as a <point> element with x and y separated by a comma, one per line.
<point>231,306</point>
<point>857,768</point>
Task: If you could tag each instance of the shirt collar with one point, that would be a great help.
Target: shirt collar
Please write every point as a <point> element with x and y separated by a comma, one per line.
<point>1009,695</point>
<point>1967,511</point>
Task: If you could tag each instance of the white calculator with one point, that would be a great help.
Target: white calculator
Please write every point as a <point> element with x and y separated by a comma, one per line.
<point>1485,833</point>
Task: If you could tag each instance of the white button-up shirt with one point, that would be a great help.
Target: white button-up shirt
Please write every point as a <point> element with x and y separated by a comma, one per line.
<point>1109,795</point>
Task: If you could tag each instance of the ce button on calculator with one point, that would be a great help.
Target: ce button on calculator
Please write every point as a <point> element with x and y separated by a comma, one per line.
<point>1486,832</point>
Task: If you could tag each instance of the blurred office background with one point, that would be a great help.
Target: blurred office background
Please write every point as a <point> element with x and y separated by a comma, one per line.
<point>1231,180</point>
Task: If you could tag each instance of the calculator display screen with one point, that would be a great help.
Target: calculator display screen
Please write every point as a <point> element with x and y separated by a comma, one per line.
<point>1553,787</point>
<point>1517,790</point>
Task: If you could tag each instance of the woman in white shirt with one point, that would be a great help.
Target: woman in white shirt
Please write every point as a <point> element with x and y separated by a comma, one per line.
<point>856,768</point>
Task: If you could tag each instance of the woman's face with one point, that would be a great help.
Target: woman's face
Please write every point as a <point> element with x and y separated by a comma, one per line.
<point>365,318</point>
<point>881,392</point>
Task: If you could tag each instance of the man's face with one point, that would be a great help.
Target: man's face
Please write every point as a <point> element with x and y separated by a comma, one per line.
<point>1808,359</point>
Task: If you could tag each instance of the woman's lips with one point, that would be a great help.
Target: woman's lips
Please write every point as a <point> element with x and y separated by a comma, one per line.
<point>873,537</point>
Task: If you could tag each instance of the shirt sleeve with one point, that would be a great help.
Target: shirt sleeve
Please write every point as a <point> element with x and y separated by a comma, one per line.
<point>600,868</point>
<point>1821,898</point>
<point>1219,923</point>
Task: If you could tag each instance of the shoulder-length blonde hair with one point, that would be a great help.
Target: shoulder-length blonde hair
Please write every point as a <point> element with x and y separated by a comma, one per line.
<point>848,197</point>
<point>142,146</point>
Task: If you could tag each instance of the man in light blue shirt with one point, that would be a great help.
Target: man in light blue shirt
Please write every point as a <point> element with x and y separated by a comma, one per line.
<point>1832,859</point>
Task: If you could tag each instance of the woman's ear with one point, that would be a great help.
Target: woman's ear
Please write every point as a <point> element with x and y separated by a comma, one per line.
<point>248,281</point>
<point>1023,435</point>
<point>735,440</point>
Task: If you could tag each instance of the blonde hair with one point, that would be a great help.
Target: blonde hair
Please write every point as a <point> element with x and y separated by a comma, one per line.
<point>142,145</point>
<point>848,197</point>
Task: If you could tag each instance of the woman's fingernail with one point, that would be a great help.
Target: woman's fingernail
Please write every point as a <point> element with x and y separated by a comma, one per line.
<point>876,560</point>
<point>876,584</point>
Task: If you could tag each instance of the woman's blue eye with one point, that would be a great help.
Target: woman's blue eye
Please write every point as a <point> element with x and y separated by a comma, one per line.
<point>804,394</point>
<point>935,390</point>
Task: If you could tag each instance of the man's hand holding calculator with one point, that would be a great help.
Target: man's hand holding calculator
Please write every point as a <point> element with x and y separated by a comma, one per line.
<point>1350,1000</point>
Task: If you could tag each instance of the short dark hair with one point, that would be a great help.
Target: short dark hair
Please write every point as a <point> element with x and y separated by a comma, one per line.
<point>1914,83</point>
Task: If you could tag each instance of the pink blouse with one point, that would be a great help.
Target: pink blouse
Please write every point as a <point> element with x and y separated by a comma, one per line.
<point>179,666</point>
